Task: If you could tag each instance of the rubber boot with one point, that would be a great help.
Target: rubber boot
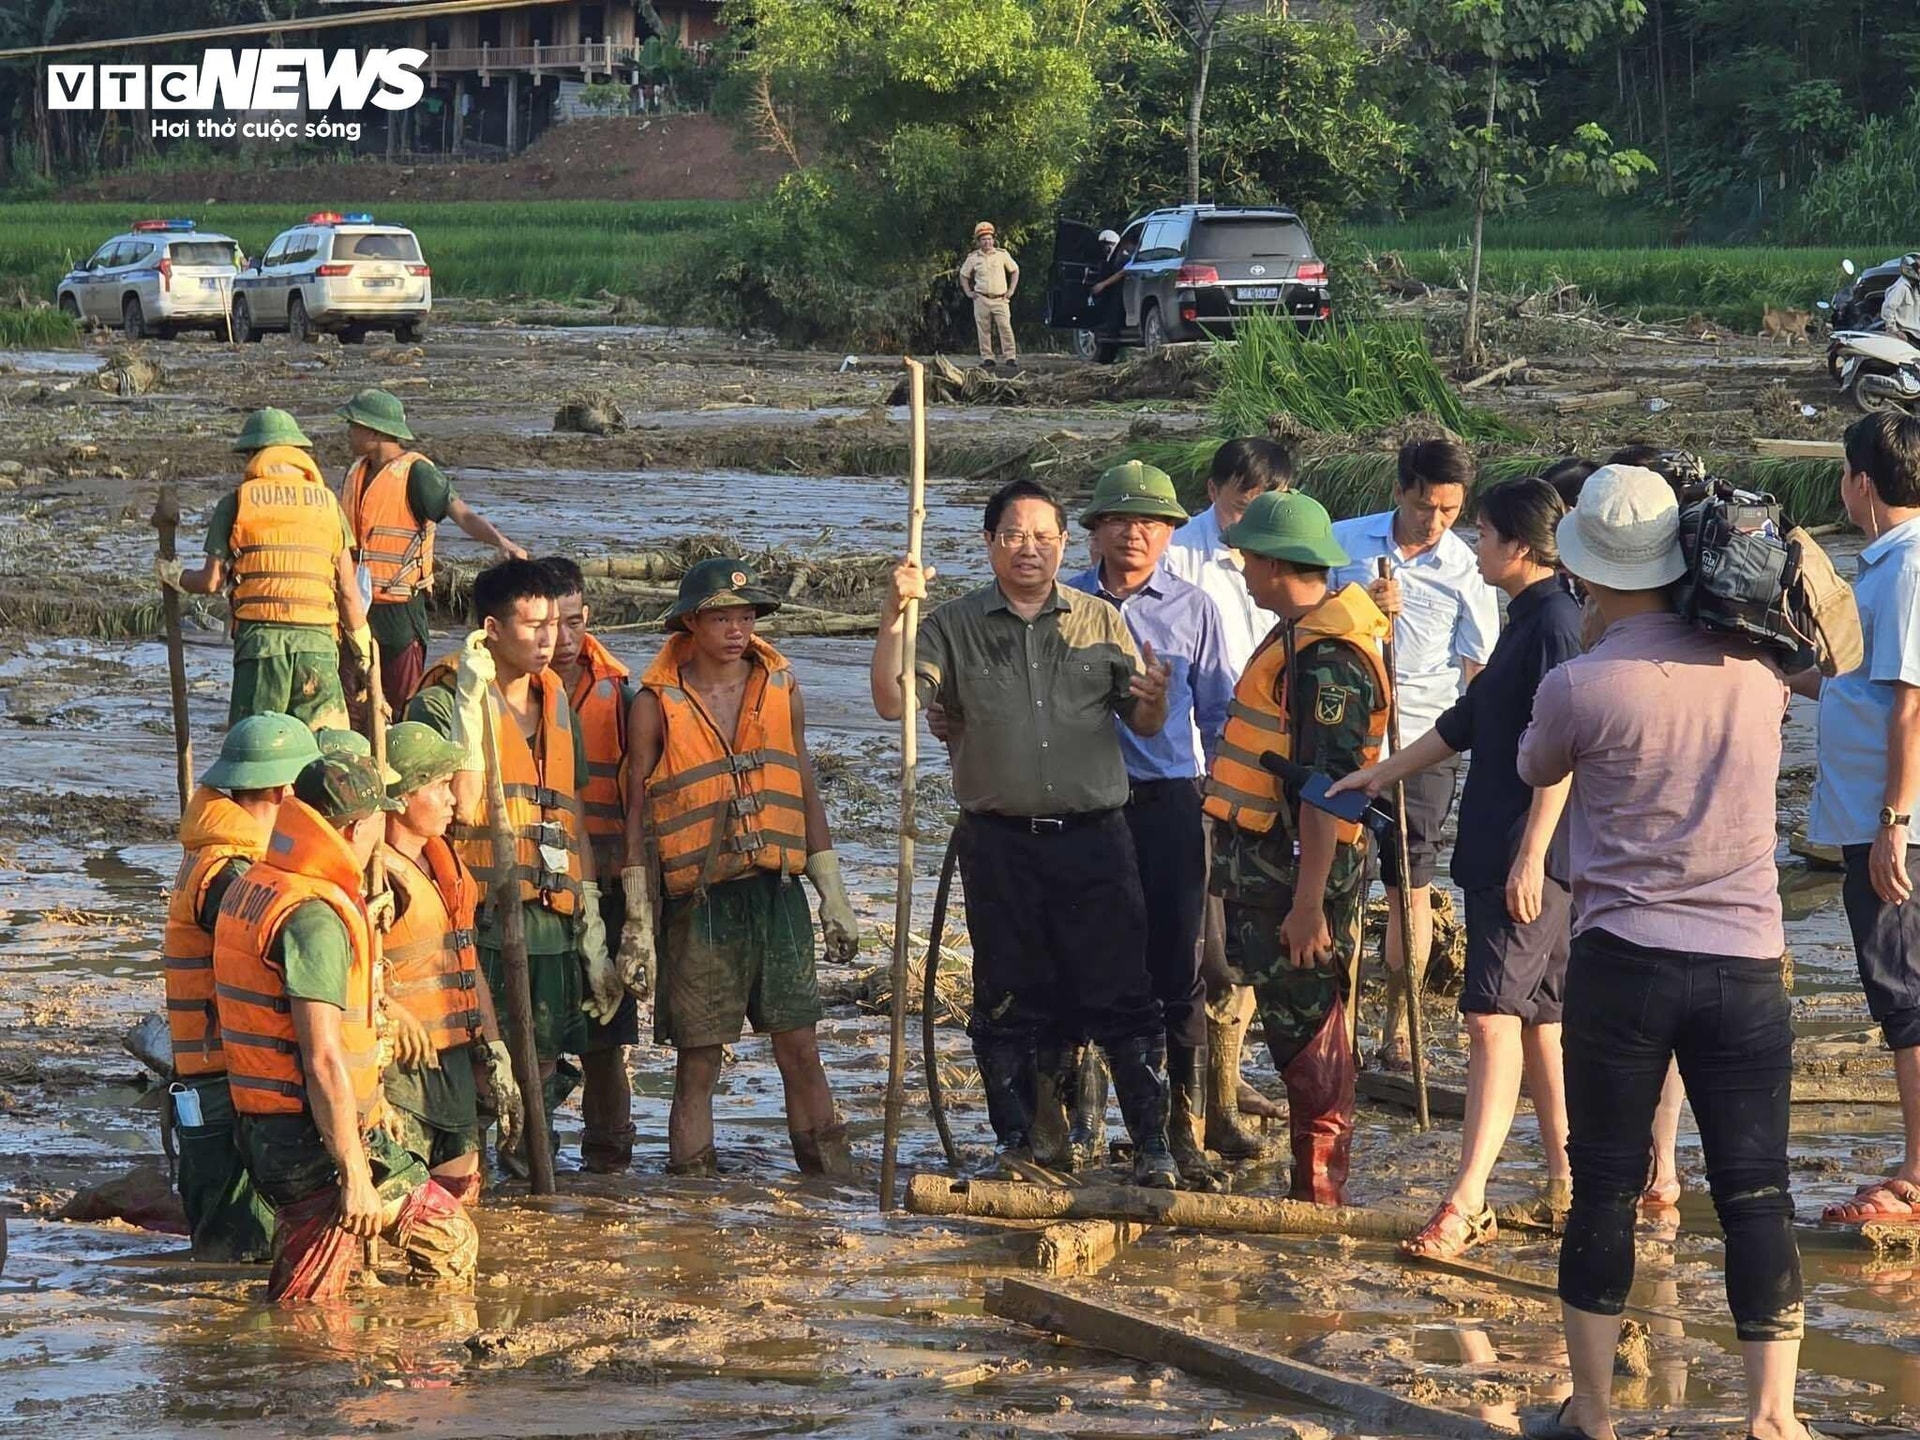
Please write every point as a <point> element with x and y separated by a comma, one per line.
<point>1007,1075</point>
<point>1186,1078</point>
<point>1140,1080</point>
<point>606,1112</point>
<point>1087,1136</point>
<point>1319,1084</point>
<point>1055,1075</point>
<point>1226,1134</point>
<point>555,1091</point>
<point>825,1151</point>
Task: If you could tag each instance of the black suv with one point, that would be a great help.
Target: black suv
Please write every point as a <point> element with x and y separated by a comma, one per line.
<point>1188,272</point>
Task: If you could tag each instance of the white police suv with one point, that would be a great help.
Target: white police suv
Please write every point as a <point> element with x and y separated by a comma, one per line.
<point>161,277</point>
<point>341,273</point>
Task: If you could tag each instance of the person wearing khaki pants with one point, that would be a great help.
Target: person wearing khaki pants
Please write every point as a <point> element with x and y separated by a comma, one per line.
<point>988,277</point>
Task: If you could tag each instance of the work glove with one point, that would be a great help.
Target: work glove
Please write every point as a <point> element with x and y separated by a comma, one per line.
<point>413,1047</point>
<point>471,681</point>
<point>380,910</point>
<point>837,923</point>
<point>168,573</point>
<point>638,957</point>
<point>507,1104</point>
<point>360,641</point>
<point>604,991</point>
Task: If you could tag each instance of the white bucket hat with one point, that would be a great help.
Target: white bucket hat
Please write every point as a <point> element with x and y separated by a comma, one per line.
<point>1625,532</point>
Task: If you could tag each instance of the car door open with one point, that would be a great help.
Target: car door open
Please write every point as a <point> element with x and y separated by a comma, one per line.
<point>1076,265</point>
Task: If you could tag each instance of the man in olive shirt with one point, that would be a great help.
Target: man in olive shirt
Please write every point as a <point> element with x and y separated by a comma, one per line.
<point>393,533</point>
<point>1030,674</point>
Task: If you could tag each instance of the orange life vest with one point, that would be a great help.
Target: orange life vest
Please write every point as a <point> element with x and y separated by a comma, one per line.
<point>538,779</point>
<point>394,545</point>
<point>307,861</point>
<point>287,540</point>
<point>716,809</point>
<point>212,832</point>
<point>599,699</point>
<point>432,968</point>
<point>1239,791</point>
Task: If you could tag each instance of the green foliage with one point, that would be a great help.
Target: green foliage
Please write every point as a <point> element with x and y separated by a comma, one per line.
<point>550,249</point>
<point>1341,379</point>
<point>1874,191</point>
<point>1294,115</point>
<point>604,96</point>
<point>37,330</point>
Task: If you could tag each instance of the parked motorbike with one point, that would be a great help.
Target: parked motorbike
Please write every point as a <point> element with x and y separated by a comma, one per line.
<point>1856,304</point>
<point>1875,371</point>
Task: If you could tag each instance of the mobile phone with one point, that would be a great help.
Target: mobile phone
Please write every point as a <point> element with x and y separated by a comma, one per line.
<point>1348,805</point>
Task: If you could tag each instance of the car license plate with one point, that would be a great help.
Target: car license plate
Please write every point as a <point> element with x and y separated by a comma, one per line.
<point>1257,292</point>
<point>209,284</point>
<point>372,283</point>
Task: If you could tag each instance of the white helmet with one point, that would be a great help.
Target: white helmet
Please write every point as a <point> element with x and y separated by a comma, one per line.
<point>1910,267</point>
<point>1109,237</point>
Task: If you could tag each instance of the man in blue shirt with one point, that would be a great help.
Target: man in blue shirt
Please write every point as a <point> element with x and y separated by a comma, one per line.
<point>1869,775</point>
<point>1132,515</point>
<point>1445,620</point>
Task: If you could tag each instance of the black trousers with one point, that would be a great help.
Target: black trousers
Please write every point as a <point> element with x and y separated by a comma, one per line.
<point>1628,1009</point>
<point>1059,926</point>
<point>1886,943</point>
<point>1170,847</point>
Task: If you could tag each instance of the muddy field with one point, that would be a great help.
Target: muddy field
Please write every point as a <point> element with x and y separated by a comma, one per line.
<point>757,1304</point>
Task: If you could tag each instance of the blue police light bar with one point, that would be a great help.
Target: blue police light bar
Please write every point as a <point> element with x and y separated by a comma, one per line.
<point>358,218</point>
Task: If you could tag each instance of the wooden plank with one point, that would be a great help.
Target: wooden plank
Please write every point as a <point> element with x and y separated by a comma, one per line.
<point>1801,449</point>
<point>1228,1214</point>
<point>1107,1325</point>
<point>1594,400</point>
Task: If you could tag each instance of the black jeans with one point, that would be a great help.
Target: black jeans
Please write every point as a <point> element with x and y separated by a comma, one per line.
<point>1059,931</point>
<point>1171,848</point>
<point>1628,1009</point>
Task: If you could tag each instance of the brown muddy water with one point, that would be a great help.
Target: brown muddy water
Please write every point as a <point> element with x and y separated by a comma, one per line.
<point>757,1304</point>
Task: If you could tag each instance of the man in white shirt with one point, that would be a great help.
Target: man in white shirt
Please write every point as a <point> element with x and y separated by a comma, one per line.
<point>1241,471</point>
<point>1445,621</point>
<point>1900,306</point>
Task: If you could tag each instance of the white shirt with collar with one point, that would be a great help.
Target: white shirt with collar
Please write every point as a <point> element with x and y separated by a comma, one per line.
<point>1448,614</point>
<point>1200,557</point>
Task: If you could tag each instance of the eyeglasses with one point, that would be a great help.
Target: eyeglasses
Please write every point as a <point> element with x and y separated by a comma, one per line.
<point>1020,539</point>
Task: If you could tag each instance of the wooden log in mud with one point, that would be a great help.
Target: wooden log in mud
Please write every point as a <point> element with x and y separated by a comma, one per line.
<point>1593,400</point>
<point>1228,1214</point>
<point>1107,1325</point>
<point>1080,1247</point>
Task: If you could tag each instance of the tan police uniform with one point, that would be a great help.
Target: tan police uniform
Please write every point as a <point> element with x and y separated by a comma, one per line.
<point>991,277</point>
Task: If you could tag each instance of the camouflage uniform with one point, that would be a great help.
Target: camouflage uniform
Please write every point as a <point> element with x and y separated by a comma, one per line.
<point>1254,873</point>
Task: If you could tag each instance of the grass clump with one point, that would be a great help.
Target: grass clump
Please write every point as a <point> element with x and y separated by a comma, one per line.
<point>1339,380</point>
<point>37,330</point>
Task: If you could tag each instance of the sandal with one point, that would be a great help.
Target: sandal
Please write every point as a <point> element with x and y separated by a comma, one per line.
<point>1884,1202</point>
<point>1661,1197</point>
<point>1545,1209</point>
<point>1450,1233</point>
<point>1556,1428</point>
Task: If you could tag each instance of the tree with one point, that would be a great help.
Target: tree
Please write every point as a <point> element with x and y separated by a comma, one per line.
<point>1477,112</point>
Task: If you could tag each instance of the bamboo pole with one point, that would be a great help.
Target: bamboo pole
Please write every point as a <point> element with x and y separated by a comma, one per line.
<point>1410,974</point>
<point>929,1194</point>
<point>909,777</point>
<point>166,520</point>
<point>513,960</point>
<point>376,881</point>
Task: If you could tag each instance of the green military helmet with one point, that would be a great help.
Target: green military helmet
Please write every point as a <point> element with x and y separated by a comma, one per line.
<point>419,755</point>
<point>333,741</point>
<point>262,751</point>
<point>270,426</point>
<point>343,788</point>
<point>720,580</point>
<point>1134,489</point>
<point>1288,525</point>
<point>377,410</point>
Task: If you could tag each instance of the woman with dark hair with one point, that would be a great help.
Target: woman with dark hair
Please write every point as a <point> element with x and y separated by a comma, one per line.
<point>1504,861</point>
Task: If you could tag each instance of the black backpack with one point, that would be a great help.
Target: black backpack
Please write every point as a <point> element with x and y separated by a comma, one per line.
<point>1751,577</point>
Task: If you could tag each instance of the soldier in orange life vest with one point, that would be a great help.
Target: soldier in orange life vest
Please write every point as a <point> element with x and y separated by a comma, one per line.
<point>446,1039</point>
<point>280,541</point>
<point>505,669</point>
<point>1292,876</point>
<point>726,820</point>
<point>223,832</point>
<point>393,495</point>
<point>298,995</point>
<point>598,688</point>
